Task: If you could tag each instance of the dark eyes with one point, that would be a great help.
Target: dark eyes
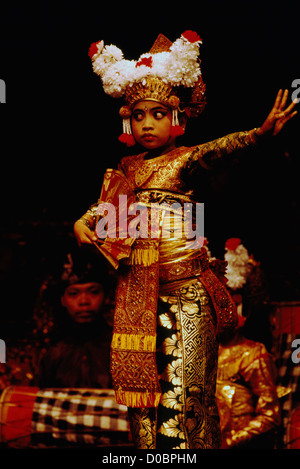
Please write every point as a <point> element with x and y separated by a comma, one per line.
<point>139,115</point>
<point>92,291</point>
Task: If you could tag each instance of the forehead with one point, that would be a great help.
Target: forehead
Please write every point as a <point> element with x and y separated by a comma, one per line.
<point>83,286</point>
<point>150,104</point>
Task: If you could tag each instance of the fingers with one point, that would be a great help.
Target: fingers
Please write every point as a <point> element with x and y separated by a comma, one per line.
<point>281,100</point>
<point>83,234</point>
<point>284,99</point>
<point>288,117</point>
<point>282,121</point>
<point>287,112</point>
<point>91,237</point>
<point>278,100</point>
<point>278,110</point>
<point>291,106</point>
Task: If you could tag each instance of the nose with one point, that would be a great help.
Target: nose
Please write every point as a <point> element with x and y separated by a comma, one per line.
<point>148,122</point>
<point>84,299</point>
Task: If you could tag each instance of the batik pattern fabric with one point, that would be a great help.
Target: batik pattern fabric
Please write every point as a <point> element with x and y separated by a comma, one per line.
<point>187,348</point>
<point>187,357</point>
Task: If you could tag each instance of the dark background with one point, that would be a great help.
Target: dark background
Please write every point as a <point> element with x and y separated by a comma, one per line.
<point>59,130</point>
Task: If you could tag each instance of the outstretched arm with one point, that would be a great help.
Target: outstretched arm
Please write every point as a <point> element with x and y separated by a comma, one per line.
<point>210,153</point>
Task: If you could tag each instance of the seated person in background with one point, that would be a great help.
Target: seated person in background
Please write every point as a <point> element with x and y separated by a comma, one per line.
<point>246,393</point>
<point>80,353</point>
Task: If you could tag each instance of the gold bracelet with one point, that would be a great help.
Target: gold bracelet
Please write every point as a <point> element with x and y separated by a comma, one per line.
<point>253,137</point>
<point>85,221</point>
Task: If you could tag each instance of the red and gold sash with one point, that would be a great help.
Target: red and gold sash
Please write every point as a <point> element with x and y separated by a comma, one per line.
<point>133,349</point>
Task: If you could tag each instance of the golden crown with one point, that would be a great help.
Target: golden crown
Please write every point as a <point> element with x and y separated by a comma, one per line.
<point>151,88</point>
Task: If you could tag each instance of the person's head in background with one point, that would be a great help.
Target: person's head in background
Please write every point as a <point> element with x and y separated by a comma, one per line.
<point>84,286</point>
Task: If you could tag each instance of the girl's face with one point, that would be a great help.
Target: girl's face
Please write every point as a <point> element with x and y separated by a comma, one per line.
<point>151,123</point>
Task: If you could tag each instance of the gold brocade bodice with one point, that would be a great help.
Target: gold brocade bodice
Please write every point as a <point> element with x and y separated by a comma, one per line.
<point>162,172</point>
<point>158,181</point>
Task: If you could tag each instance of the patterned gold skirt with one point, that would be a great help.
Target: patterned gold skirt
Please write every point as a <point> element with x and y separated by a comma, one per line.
<point>187,353</point>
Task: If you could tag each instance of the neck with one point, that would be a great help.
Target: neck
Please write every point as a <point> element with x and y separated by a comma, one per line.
<point>160,151</point>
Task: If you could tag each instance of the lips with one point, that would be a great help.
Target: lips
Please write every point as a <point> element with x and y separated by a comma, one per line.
<point>148,137</point>
<point>84,314</point>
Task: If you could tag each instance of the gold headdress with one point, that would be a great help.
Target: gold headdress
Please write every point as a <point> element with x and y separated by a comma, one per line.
<point>169,73</point>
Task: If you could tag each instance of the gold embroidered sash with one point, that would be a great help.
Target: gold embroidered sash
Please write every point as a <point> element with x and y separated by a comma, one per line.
<point>133,349</point>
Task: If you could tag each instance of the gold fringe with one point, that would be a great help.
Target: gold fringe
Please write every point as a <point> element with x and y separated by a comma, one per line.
<point>143,256</point>
<point>137,399</point>
<point>136,342</point>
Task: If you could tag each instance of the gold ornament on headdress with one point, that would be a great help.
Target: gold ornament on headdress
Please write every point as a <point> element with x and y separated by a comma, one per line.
<point>151,88</point>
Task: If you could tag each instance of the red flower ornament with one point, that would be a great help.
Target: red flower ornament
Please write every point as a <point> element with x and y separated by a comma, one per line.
<point>94,49</point>
<point>147,61</point>
<point>232,243</point>
<point>191,36</point>
<point>128,139</point>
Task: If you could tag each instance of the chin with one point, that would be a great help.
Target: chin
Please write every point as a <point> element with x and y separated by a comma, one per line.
<point>84,319</point>
<point>150,145</point>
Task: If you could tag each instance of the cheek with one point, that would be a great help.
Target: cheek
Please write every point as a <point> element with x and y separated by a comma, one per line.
<point>135,128</point>
<point>97,302</point>
<point>167,126</point>
<point>165,129</point>
<point>69,303</point>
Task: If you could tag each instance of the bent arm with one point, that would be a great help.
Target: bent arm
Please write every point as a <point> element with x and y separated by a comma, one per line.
<point>259,378</point>
<point>84,228</point>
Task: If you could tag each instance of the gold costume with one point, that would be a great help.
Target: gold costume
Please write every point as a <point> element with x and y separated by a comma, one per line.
<point>192,307</point>
<point>246,395</point>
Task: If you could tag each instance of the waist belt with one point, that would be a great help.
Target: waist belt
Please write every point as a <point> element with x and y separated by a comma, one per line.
<point>185,268</point>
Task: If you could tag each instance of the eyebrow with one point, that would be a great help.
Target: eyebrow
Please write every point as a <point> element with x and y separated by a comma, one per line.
<point>156,108</point>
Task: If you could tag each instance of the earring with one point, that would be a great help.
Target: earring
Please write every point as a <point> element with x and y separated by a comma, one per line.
<point>176,129</point>
<point>126,136</point>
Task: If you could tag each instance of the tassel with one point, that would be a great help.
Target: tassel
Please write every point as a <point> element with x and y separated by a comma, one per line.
<point>137,399</point>
<point>128,139</point>
<point>176,129</point>
<point>137,342</point>
<point>143,256</point>
<point>126,136</point>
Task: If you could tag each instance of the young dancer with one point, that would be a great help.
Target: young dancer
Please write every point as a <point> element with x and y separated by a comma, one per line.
<point>171,303</point>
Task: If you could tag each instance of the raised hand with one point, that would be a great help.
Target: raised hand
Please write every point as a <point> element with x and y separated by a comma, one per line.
<point>278,116</point>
